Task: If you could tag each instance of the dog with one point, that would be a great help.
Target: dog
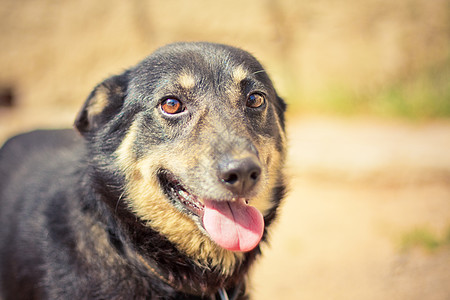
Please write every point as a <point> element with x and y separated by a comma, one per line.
<point>165,189</point>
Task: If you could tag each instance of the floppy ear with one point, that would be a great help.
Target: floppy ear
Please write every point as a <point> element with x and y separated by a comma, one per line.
<point>103,102</point>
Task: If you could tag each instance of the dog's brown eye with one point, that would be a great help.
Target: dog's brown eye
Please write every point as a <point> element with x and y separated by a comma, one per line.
<point>172,106</point>
<point>255,100</point>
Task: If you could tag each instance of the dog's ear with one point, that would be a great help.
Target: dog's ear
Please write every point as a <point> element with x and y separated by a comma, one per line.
<point>281,109</point>
<point>103,102</point>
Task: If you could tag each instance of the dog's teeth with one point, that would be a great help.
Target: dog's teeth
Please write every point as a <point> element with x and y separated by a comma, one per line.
<point>183,194</point>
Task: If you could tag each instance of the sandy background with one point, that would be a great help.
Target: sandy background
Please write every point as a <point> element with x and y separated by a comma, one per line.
<point>368,212</point>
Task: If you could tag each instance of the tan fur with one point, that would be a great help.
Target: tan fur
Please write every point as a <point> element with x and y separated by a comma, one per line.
<point>186,80</point>
<point>263,201</point>
<point>239,73</point>
<point>151,205</point>
<point>98,103</point>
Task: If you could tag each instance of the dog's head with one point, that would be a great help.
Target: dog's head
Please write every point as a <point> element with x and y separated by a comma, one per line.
<point>195,133</point>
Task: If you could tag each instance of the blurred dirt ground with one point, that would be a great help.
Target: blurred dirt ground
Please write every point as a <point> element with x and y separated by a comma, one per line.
<point>368,212</point>
<point>358,189</point>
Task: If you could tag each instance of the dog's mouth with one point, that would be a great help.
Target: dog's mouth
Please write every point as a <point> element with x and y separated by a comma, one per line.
<point>232,224</point>
<point>179,195</point>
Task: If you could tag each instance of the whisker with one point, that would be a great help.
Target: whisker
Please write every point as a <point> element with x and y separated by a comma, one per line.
<point>260,71</point>
<point>118,201</point>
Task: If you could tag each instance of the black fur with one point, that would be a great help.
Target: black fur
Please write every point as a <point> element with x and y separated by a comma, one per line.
<point>66,229</point>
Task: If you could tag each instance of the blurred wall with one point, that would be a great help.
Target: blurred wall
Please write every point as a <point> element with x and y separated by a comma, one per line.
<point>54,52</point>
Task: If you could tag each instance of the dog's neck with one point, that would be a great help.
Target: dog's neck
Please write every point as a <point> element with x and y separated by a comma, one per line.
<point>222,293</point>
<point>156,257</point>
<point>145,247</point>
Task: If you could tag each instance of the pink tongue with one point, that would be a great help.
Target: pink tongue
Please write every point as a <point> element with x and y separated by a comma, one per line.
<point>233,225</point>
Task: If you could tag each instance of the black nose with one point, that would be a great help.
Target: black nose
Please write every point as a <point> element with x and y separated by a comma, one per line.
<point>240,175</point>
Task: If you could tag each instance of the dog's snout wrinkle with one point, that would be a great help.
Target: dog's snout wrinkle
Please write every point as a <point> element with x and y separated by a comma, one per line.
<point>240,175</point>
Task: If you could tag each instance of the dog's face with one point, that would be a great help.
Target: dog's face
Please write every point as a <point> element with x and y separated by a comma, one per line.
<point>196,134</point>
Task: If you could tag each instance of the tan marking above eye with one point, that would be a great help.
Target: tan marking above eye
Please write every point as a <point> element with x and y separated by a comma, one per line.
<point>186,80</point>
<point>239,73</point>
